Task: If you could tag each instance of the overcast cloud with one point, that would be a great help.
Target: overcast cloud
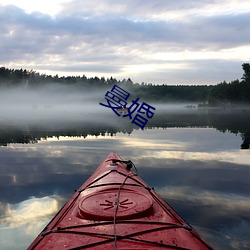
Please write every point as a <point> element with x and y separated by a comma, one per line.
<point>171,42</point>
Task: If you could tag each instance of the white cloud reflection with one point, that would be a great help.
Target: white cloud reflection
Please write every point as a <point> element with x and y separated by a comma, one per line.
<point>235,156</point>
<point>228,202</point>
<point>29,212</point>
<point>22,222</point>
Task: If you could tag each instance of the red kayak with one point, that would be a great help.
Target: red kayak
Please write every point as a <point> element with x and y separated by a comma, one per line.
<point>116,209</point>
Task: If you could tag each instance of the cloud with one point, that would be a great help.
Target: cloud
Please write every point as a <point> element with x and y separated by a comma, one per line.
<point>125,39</point>
<point>148,9</point>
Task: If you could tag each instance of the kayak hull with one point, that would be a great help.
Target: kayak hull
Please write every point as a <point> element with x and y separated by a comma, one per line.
<point>116,209</point>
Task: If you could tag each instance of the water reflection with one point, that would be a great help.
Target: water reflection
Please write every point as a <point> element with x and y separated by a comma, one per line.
<point>101,124</point>
<point>195,166</point>
<point>21,221</point>
<point>33,209</point>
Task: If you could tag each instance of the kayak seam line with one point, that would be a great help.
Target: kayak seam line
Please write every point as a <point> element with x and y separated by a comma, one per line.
<point>62,230</point>
<point>99,178</point>
<point>114,170</point>
<point>128,237</point>
<point>120,222</point>
<point>110,184</point>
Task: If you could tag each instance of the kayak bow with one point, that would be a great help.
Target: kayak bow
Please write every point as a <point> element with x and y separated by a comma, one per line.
<point>116,209</point>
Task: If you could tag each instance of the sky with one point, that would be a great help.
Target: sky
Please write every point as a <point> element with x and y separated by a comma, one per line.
<point>159,42</point>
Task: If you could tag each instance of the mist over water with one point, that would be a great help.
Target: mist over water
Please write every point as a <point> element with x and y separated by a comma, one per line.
<point>58,109</point>
<point>64,104</point>
<point>48,103</point>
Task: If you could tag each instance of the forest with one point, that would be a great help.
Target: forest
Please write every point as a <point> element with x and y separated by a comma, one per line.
<point>224,93</point>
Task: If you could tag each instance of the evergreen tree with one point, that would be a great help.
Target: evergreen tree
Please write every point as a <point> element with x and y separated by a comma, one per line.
<point>246,69</point>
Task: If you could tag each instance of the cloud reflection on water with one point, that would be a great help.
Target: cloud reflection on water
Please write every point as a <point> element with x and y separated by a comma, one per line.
<point>29,211</point>
<point>207,184</point>
<point>21,222</point>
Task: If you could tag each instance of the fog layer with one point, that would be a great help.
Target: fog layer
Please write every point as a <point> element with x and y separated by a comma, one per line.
<point>53,102</point>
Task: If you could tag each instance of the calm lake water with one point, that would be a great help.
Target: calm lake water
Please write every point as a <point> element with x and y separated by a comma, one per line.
<point>197,160</point>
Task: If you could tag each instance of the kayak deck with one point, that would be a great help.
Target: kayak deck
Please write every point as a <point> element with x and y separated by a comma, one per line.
<point>116,209</point>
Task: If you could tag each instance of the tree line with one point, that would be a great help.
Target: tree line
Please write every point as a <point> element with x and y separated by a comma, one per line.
<point>236,91</point>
